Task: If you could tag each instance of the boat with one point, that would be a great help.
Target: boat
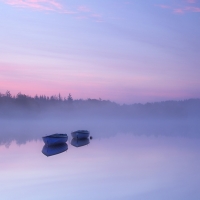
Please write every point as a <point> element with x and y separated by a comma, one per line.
<point>57,138</point>
<point>80,134</point>
<point>54,149</point>
<point>80,143</point>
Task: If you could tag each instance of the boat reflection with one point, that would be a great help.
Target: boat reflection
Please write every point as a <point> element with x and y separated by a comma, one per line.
<point>53,150</point>
<point>80,143</point>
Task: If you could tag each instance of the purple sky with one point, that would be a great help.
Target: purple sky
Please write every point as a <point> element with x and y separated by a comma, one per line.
<point>124,51</point>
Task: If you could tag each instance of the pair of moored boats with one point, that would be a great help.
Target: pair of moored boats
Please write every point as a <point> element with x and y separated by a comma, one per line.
<point>59,138</point>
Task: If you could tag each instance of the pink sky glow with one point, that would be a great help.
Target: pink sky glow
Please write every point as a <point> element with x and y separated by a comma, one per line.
<point>36,4</point>
<point>181,9</point>
<point>140,52</point>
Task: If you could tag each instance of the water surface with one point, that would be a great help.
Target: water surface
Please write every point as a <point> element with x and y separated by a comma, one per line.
<point>119,165</point>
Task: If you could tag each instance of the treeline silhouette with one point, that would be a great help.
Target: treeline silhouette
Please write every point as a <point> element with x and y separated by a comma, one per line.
<point>23,106</point>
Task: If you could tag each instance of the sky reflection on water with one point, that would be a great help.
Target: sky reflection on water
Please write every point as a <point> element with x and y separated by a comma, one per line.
<point>123,166</point>
<point>125,160</point>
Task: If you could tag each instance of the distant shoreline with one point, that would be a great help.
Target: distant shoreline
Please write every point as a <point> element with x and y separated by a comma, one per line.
<point>24,106</point>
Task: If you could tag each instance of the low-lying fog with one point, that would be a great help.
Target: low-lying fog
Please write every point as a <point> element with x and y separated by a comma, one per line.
<point>23,118</point>
<point>26,130</point>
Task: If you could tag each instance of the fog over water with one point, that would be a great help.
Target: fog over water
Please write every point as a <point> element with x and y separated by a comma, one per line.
<point>26,130</point>
<point>23,118</point>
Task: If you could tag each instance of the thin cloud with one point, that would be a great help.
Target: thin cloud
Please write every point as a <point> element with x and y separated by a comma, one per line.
<point>193,9</point>
<point>84,9</point>
<point>163,6</point>
<point>86,13</point>
<point>41,5</point>
<point>82,12</point>
<point>93,17</point>
<point>191,1</point>
<point>186,8</point>
<point>179,11</point>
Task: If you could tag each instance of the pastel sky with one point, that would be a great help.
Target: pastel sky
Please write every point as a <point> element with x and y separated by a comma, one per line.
<point>125,51</point>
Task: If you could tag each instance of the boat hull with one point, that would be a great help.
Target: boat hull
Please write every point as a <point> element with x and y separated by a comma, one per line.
<point>55,139</point>
<point>80,134</point>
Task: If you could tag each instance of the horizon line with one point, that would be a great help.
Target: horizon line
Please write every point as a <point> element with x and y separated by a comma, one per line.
<point>7,93</point>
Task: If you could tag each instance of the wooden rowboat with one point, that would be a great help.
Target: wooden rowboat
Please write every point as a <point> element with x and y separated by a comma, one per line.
<point>80,134</point>
<point>57,138</point>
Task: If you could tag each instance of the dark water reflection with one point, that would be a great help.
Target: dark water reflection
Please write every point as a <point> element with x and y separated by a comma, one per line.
<point>79,143</point>
<point>54,149</point>
<point>51,150</point>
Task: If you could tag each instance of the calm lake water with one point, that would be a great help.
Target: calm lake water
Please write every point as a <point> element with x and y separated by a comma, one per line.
<point>116,166</point>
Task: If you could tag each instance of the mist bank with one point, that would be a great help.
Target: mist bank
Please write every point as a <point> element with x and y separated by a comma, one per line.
<point>24,118</point>
<point>24,130</point>
<point>22,106</point>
